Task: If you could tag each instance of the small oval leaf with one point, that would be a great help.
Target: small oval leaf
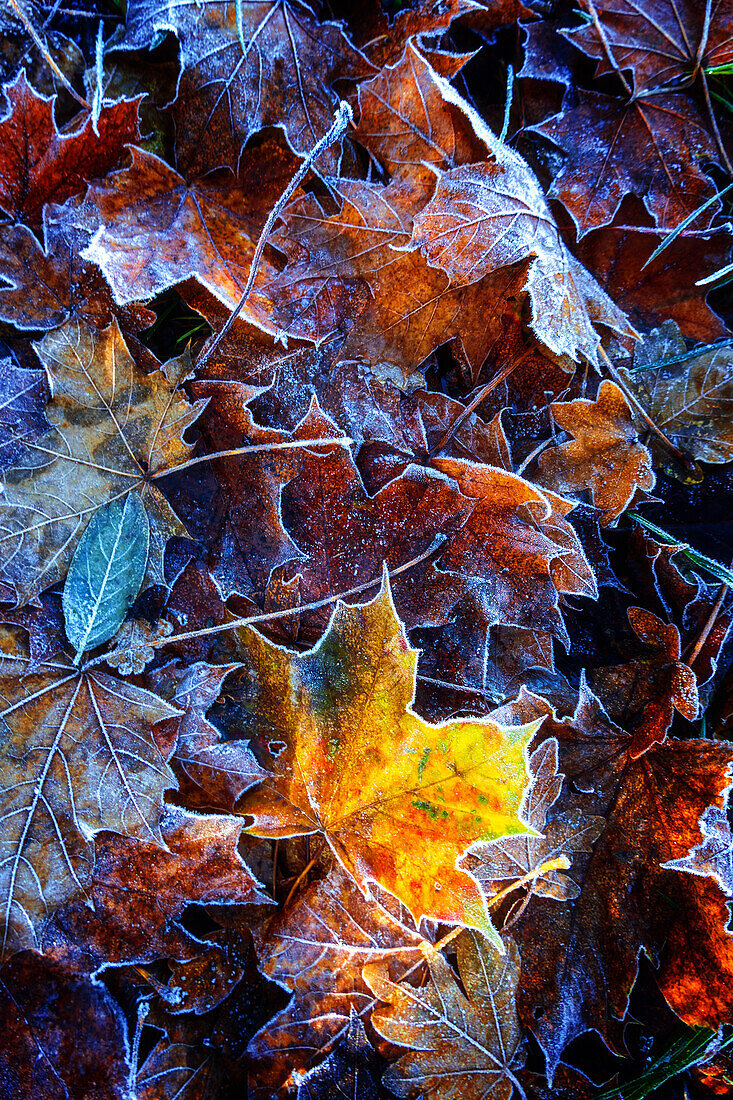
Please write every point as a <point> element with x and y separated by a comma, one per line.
<point>106,573</point>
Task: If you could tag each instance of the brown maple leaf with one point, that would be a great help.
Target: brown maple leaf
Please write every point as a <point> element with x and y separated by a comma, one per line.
<point>580,958</point>
<point>661,42</point>
<point>49,284</point>
<point>139,890</point>
<point>465,1044</point>
<point>605,457</point>
<point>61,1031</point>
<point>113,428</point>
<point>273,64</point>
<point>649,689</point>
<point>316,949</point>
<point>616,256</point>
<point>653,147</point>
<point>39,165</point>
<point>79,757</point>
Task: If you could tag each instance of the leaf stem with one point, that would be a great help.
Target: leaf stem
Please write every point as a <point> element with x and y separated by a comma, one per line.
<point>344,116</point>
<point>482,393</point>
<point>641,411</point>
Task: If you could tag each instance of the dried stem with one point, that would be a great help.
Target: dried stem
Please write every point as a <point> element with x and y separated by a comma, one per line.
<point>43,49</point>
<point>483,393</point>
<point>710,623</point>
<point>633,400</point>
<point>286,445</point>
<point>344,116</point>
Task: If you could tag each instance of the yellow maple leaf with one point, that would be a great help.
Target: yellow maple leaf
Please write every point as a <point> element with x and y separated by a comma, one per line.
<point>399,800</point>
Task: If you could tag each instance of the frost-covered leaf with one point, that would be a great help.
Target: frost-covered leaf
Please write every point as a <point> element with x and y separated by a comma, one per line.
<point>106,572</point>
<point>78,757</point>
<point>462,1047</point>
<point>113,430</point>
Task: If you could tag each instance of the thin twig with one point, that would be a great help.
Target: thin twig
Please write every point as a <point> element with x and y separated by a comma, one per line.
<point>713,122</point>
<point>607,47</point>
<point>344,116</point>
<point>483,393</point>
<point>633,400</point>
<point>265,616</point>
<point>710,623</point>
<point>254,448</point>
<point>43,48</point>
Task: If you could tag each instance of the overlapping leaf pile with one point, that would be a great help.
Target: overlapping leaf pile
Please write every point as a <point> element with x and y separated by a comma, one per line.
<point>363,732</point>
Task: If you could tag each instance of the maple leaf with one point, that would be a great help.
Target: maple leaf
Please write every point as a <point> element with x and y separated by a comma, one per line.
<point>691,400</point>
<point>61,1031</point>
<point>113,429</point>
<point>409,116</point>
<point>179,1071</point>
<point>513,858</point>
<point>505,540</point>
<point>211,772</point>
<point>139,890</point>
<point>605,456</point>
<point>430,792</point>
<point>461,1045</point>
<point>651,147</point>
<point>653,686</point>
<point>50,284</point>
<point>663,42</point>
<point>79,757</point>
<point>491,215</point>
<point>616,256</point>
<point>244,68</point>
<point>157,230</point>
<point>352,1069</point>
<point>316,949</point>
<point>580,959</point>
<point>244,527</point>
<point>41,165</point>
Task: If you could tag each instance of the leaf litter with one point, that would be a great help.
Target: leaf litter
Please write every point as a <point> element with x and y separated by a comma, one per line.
<point>364,550</point>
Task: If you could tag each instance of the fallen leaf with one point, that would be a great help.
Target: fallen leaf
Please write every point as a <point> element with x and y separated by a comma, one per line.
<point>316,949</point>
<point>491,215</point>
<point>649,689</point>
<point>605,456</point>
<point>23,397</point>
<point>690,401</point>
<point>351,1070</point>
<point>79,757</point>
<point>113,429</point>
<point>500,861</point>
<point>140,889</point>
<point>580,959</point>
<point>63,1034</point>
<point>40,165</point>
<point>652,147</point>
<point>433,791</point>
<point>616,256</point>
<point>662,43</point>
<point>461,1045</point>
<point>271,65</point>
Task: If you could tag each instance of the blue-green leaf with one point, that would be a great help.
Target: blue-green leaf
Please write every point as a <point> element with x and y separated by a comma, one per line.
<point>106,573</point>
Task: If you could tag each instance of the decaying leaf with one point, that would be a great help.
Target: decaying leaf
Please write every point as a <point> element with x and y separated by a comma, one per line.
<point>79,756</point>
<point>350,699</point>
<point>460,1045</point>
<point>690,400</point>
<point>605,458</point>
<point>316,950</point>
<point>113,429</point>
<point>39,165</point>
